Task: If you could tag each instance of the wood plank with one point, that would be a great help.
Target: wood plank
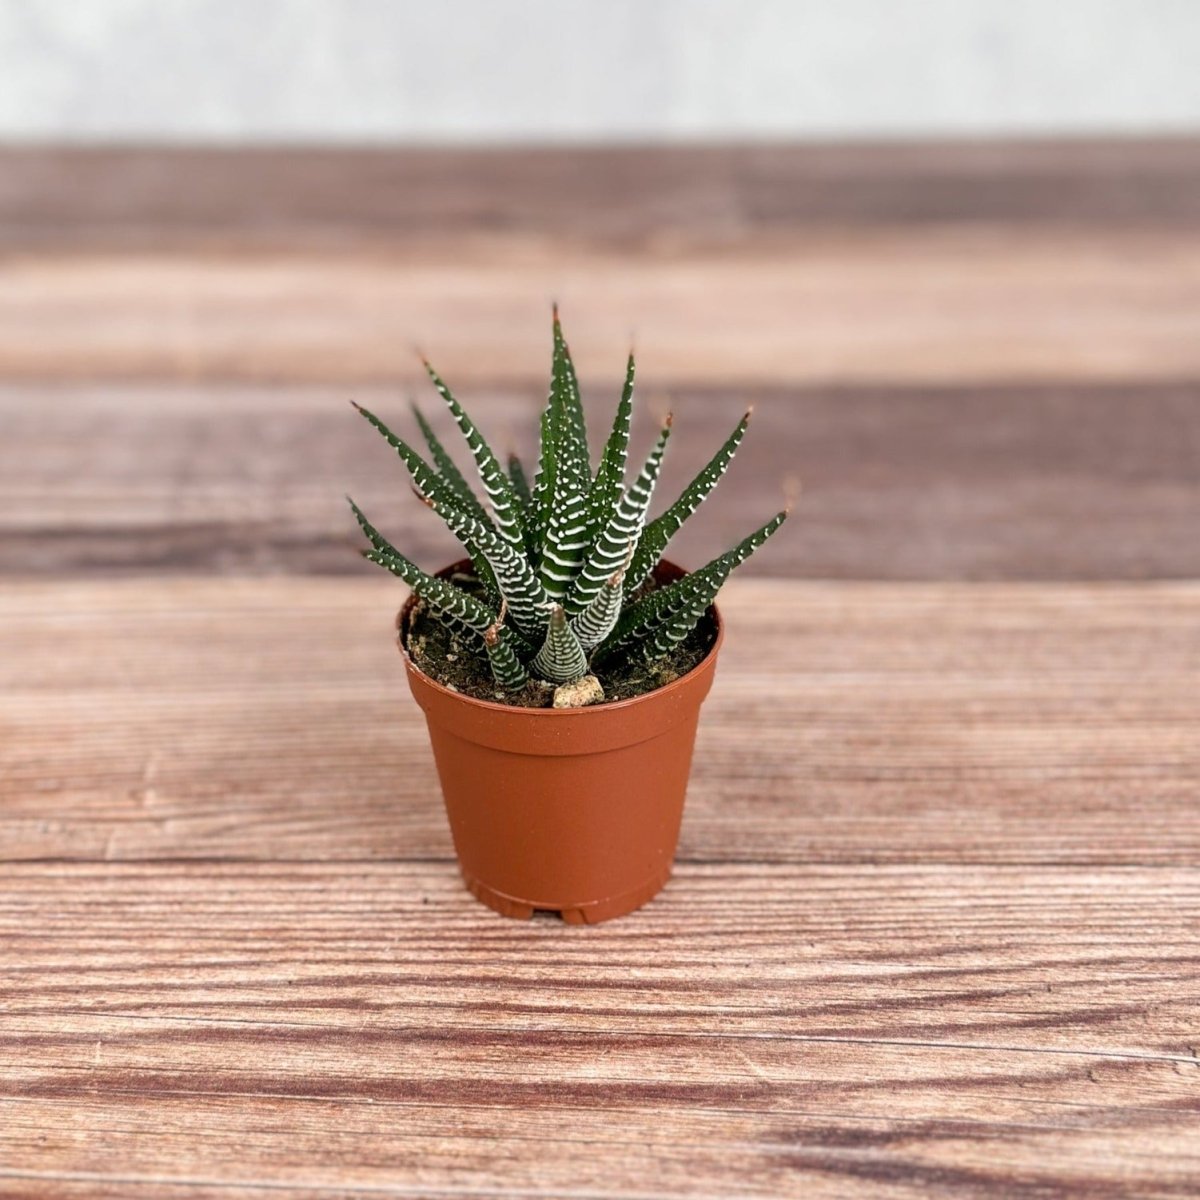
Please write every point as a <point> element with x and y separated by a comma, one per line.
<point>885,305</point>
<point>269,719</point>
<point>155,196</point>
<point>933,931</point>
<point>765,1031</point>
<point>933,483</point>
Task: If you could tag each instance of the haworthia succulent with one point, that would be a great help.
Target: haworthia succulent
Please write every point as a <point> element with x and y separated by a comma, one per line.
<point>563,506</point>
<point>495,483</point>
<point>605,492</point>
<point>615,541</point>
<point>660,531</point>
<point>527,599</point>
<point>561,658</point>
<point>661,620</point>
<point>563,559</point>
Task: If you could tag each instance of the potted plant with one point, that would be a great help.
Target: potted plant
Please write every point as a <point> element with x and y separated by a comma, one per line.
<point>561,665</point>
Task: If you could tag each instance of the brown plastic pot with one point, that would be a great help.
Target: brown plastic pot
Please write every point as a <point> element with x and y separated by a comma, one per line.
<point>569,810</point>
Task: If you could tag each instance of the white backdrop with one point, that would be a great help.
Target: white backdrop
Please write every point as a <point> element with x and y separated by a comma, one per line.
<point>496,70</point>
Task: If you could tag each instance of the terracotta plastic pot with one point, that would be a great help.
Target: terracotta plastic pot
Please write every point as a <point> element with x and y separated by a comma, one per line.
<point>570,810</point>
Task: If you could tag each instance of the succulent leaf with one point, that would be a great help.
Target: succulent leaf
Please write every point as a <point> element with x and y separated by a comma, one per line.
<point>495,483</point>
<point>605,492</point>
<point>561,658</point>
<point>527,599</point>
<point>566,541</point>
<point>571,399</point>
<point>660,531</point>
<point>599,619</point>
<point>620,535</point>
<point>524,499</point>
<point>423,475</point>
<point>666,616</point>
<point>520,483</point>
<point>506,666</point>
<point>547,473</point>
<point>564,473</point>
<point>457,609</point>
<point>447,468</point>
<point>432,484</point>
<point>563,505</point>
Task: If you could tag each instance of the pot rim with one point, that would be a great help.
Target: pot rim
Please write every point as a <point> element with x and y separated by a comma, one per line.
<point>551,713</point>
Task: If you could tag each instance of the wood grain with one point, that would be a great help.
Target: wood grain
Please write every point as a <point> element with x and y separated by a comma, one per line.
<point>893,723</point>
<point>935,924</point>
<point>748,267</point>
<point>892,304</point>
<point>350,1027</point>
<point>168,196</point>
<point>1063,482</point>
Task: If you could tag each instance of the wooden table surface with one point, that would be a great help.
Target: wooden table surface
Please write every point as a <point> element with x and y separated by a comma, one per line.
<point>935,928</point>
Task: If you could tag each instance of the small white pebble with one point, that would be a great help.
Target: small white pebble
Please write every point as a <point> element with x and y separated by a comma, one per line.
<point>586,690</point>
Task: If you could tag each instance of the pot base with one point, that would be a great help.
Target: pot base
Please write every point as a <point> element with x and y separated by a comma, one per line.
<point>580,914</point>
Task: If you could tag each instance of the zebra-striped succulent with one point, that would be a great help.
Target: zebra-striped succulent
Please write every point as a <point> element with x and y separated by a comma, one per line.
<point>563,566</point>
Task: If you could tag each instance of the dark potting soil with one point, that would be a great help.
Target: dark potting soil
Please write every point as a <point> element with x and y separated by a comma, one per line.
<point>456,664</point>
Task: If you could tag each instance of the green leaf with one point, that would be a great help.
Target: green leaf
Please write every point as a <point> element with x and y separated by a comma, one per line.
<point>431,484</point>
<point>572,401</point>
<point>660,531</point>
<point>458,609</point>
<point>561,657</point>
<point>526,598</point>
<point>605,492</point>
<point>667,615</point>
<point>616,541</point>
<point>495,483</point>
<point>597,621</point>
<point>423,475</point>
<point>447,468</point>
<point>547,475</point>
<point>520,482</point>
<point>564,484</point>
<point>524,498</point>
<point>506,666</point>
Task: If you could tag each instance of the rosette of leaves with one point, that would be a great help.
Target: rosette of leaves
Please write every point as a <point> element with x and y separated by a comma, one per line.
<point>564,563</point>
